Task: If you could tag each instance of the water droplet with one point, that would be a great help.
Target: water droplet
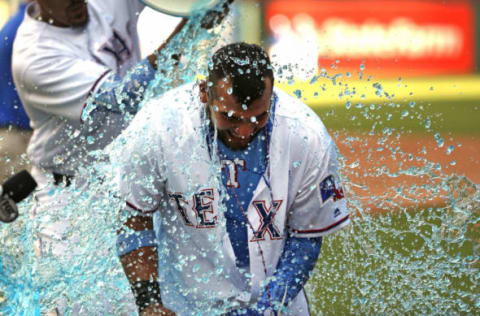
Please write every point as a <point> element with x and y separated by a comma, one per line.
<point>241,62</point>
<point>450,149</point>
<point>404,114</point>
<point>298,93</point>
<point>230,113</point>
<point>58,159</point>
<point>440,141</point>
<point>90,140</point>
<point>354,164</point>
<point>453,163</point>
<point>362,67</point>
<point>297,163</point>
<point>348,105</point>
<point>229,91</point>
<point>412,104</point>
<point>76,133</point>
<point>253,119</point>
<point>428,123</point>
<point>196,268</point>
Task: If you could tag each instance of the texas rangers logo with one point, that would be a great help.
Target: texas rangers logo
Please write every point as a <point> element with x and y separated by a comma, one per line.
<point>329,189</point>
<point>267,223</point>
<point>117,47</point>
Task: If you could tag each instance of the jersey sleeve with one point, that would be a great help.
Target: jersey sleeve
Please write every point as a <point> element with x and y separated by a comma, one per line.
<point>320,206</point>
<point>137,157</point>
<point>60,85</point>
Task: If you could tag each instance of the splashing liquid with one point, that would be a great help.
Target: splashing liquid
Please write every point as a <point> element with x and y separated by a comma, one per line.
<point>413,246</point>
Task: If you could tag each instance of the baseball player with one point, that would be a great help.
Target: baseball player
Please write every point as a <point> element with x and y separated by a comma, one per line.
<point>65,52</point>
<point>239,181</point>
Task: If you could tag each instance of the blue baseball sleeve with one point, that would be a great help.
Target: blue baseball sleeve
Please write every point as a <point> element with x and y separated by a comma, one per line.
<point>293,270</point>
<point>121,94</point>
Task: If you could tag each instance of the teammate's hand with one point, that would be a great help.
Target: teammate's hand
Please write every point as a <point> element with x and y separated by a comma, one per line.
<point>156,310</point>
<point>213,17</point>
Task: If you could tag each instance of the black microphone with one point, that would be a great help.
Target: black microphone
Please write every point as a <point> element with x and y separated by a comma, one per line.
<point>14,190</point>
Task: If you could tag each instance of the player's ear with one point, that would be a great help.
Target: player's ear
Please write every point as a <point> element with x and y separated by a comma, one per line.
<point>203,91</point>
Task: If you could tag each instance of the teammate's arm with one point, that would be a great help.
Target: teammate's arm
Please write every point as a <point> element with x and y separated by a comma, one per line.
<point>122,95</point>
<point>210,20</point>
<point>141,269</point>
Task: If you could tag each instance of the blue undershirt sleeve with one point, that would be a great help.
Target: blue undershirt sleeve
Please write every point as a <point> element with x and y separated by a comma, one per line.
<point>293,271</point>
<point>121,94</point>
<point>128,242</point>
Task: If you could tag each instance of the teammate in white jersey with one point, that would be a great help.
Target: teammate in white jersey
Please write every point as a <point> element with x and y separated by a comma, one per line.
<point>65,51</point>
<point>239,182</point>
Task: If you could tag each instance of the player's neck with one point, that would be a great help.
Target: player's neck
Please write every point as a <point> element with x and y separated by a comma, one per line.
<point>45,17</point>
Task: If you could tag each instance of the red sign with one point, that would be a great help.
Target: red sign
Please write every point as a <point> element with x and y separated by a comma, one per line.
<point>386,37</point>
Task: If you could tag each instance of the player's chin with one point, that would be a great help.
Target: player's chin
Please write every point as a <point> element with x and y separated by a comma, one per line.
<point>237,143</point>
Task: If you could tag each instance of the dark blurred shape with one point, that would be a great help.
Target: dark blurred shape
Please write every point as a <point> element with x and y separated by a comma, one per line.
<point>13,191</point>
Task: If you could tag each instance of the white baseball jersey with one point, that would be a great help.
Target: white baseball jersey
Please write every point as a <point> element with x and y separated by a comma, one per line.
<point>55,69</point>
<point>167,169</point>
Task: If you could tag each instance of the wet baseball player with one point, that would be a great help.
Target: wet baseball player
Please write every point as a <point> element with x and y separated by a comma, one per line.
<point>230,187</point>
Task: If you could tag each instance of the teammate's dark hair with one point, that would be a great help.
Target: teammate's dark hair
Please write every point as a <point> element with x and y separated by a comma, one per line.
<point>246,65</point>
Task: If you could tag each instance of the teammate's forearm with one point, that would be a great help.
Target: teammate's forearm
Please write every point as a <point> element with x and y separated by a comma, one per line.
<point>152,58</point>
<point>293,270</point>
<point>120,94</point>
<point>211,19</point>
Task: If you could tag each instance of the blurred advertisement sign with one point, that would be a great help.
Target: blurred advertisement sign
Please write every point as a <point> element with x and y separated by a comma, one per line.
<point>384,37</point>
<point>4,12</point>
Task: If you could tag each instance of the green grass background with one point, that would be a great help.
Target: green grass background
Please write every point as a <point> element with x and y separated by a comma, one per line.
<point>406,262</point>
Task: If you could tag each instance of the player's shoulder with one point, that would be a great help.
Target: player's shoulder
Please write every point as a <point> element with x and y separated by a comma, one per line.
<point>114,8</point>
<point>37,42</point>
<point>297,119</point>
<point>173,109</point>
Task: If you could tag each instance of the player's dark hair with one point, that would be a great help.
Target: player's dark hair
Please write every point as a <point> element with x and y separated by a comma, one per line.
<point>246,65</point>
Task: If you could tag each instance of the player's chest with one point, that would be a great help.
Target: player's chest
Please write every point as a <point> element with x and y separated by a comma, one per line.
<point>113,43</point>
<point>232,189</point>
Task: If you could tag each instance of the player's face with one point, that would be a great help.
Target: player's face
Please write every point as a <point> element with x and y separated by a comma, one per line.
<point>64,13</point>
<point>236,125</point>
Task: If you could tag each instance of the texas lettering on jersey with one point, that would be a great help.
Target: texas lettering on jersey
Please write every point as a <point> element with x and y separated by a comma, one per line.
<point>232,167</point>
<point>202,209</point>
